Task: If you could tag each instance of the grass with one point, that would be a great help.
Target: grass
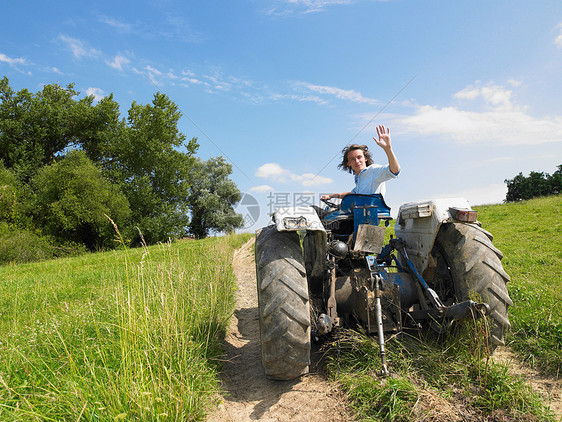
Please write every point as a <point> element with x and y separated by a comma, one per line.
<point>453,378</point>
<point>123,335</point>
<point>136,335</point>
<point>529,233</point>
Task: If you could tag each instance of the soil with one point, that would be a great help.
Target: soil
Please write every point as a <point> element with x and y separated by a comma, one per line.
<point>250,396</point>
<point>549,388</point>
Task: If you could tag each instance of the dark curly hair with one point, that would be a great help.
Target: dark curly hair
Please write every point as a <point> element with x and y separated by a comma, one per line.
<point>368,159</point>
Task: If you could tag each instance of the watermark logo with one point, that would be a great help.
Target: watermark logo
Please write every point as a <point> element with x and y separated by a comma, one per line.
<point>249,208</point>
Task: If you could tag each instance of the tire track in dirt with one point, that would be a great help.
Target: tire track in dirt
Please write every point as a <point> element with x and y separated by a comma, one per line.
<point>249,395</point>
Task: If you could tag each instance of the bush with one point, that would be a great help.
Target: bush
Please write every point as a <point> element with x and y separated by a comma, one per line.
<point>19,246</point>
<point>73,201</point>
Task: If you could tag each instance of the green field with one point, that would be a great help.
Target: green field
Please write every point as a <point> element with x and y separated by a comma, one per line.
<point>124,335</point>
<point>136,334</point>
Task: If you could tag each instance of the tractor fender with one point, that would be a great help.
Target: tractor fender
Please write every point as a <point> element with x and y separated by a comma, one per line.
<point>297,219</point>
<point>418,223</point>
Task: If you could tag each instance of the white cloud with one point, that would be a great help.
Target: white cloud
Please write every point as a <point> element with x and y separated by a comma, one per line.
<point>495,96</point>
<point>342,94</point>
<point>118,62</point>
<point>289,7</point>
<point>491,194</point>
<point>11,61</point>
<point>271,171</point>
<point>275,172</point>
<point>120,26</point>
<point>558,39</point>
<point>261,189</point>
<point>96,92</point>
<point>79,48</point>
<point>150,73</point>
<point>152,70</point>
<point>501,122</point>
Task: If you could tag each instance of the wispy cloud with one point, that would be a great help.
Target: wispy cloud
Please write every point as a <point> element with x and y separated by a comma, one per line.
<point>497,120</point>
<point>151,73</point>
<point>339,93</point>
<point>261,189</point>
<point>11,60</point>
<point>276,173</point>
<point>558,39</point>
<point>294,7</point>
<point>79,48</point>
<point>178,28</point>
<point>118,62</point>
<point>116,24</point>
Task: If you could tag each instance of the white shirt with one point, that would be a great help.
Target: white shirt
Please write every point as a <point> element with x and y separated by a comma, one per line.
<point>371,179</point>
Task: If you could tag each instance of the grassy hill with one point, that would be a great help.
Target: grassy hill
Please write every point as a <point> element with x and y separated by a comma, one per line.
<point>135,335</point>
<point>124,335</point>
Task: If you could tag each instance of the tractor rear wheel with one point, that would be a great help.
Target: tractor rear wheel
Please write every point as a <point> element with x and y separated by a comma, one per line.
<point>283,302</point>
<point>468,266</point>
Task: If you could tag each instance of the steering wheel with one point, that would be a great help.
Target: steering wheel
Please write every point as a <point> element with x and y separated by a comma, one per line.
<point>330,204</point>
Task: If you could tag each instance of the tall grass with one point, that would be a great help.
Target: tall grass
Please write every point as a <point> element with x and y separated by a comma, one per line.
<point>131,335</point>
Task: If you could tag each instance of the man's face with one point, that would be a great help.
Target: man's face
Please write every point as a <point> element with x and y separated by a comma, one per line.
<point>356,160</point>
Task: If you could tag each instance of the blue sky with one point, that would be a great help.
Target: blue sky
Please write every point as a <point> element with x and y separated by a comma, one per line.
<point>471,90</point>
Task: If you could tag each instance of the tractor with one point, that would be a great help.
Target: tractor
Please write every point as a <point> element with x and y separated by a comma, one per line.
<point>321,269</point>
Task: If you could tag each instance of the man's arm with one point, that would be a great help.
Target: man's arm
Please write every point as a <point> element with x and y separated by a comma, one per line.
<point>385,143</point>
<point>335,195</point>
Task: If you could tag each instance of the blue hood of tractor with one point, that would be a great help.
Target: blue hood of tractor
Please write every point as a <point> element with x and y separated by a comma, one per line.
<point>365,209</point>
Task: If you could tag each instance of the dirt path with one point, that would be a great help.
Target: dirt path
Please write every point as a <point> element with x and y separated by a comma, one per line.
<point>250,396</point>
<point>549,388</point>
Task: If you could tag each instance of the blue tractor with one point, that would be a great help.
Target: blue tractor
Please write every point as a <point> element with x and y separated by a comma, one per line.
<point>320,269</point>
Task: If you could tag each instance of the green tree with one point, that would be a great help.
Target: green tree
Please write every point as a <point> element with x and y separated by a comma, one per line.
<point>36,128</point>
<point>14,199</point>
<point>150,160</point>
<point>555,181</point>
<point>73,199</point>
<point>212,198</point>
<point>536,184</point>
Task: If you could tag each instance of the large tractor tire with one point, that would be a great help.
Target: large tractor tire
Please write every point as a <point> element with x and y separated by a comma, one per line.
<point>283,302</point>
<point>468,266</point>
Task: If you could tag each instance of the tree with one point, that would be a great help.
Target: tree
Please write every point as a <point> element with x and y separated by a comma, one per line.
<point>14,199</point>
<point>555,181</point>
<point>37,128</point>
<point>536,184</point>
<point>150,160</point>
<point>212,197</point>
<point>73,199</point>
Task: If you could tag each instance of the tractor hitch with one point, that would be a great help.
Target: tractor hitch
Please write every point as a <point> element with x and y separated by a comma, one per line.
<point>456,312</point>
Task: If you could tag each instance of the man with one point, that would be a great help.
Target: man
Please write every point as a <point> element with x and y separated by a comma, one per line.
<point>369,177</point>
